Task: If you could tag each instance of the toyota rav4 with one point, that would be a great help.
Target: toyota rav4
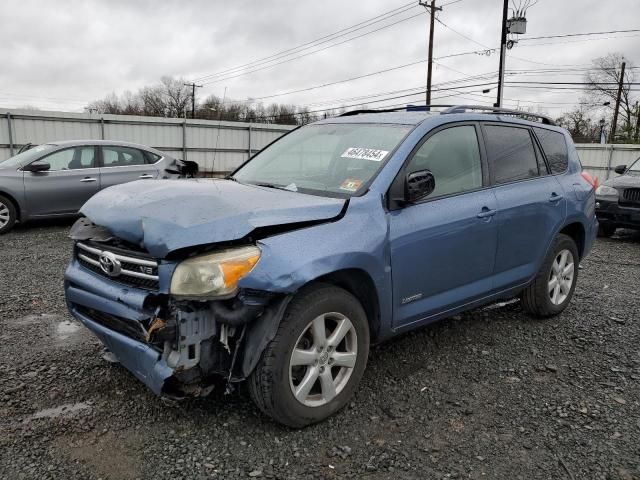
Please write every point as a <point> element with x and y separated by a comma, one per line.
<point>339,235</point>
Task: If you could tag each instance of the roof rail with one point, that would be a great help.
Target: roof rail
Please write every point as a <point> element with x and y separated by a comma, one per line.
<point>506,111</point>
<point>362,111</point>
<point>406,108</point>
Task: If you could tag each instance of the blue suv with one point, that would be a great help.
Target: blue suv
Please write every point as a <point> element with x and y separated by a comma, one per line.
<point>339,235</point>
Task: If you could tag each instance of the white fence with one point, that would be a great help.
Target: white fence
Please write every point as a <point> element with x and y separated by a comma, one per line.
<point>600,160</point>
<point>216,146</point>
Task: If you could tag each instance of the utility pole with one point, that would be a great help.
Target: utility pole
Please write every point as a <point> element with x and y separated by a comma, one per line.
<point>614,124</point>
<point>432,12</point>
<point>503,52</point>
<point>636,135</point>
<point>193,97</point>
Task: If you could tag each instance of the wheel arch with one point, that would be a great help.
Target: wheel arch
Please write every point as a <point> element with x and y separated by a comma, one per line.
<point>577,232</point>
<point>359,284</point>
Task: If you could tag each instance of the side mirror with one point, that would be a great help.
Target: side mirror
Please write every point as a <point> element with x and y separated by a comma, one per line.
<point>418,185</point>
<point>37,167</point>
<point>620,169</point>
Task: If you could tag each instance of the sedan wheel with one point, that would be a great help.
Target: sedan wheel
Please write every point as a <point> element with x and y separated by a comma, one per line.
<point>4,215</point>
<point>7,215</point>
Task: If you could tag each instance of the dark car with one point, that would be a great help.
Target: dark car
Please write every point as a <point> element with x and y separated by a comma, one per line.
<point>618,200</point>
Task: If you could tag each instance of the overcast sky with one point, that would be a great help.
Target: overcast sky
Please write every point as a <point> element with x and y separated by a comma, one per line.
<point>59,55</point>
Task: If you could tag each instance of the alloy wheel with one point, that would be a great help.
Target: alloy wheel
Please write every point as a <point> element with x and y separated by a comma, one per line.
<point>4,215</point>
<point>561,277</point>
<point>323,359</point>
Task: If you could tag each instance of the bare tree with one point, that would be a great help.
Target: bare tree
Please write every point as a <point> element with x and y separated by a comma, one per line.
<point>603,79</point>
<point>177,96</point>
<point>579,124</point>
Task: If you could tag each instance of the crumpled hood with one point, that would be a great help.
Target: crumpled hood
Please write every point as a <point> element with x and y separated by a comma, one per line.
<point>167,215</point>
<point>624,181</point>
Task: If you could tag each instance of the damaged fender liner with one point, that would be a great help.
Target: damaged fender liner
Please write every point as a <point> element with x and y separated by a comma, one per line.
<point>217,353</point>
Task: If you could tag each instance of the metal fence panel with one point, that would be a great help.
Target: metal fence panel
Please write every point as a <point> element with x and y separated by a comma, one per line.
<point>600,160</point>
<point>217,146</point>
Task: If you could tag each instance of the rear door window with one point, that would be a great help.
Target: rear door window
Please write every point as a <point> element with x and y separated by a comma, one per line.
<point>511,154</point>
<point>122,157</point>
<point>555,149</point>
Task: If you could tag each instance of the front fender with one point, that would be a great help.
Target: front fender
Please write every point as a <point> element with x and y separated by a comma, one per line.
<point>359,240</point>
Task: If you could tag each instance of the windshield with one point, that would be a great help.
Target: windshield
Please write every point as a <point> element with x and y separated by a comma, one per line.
<point>330,159</point>
<point>635,168</point>
<point>26,157</point>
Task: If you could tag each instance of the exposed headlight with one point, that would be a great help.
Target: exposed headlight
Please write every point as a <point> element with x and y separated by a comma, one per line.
<point>606,191</point>
<point>215,274</point>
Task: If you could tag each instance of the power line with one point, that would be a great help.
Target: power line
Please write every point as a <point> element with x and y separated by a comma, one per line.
<point>286,60</point>
<point>580,34</point>
<point>319,41</point>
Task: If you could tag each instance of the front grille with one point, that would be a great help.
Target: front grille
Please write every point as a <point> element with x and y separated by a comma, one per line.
<point>128,268</point>
<point>631,196</point>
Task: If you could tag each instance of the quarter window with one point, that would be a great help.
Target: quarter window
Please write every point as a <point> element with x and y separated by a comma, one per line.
<point>453,157</point>
<point>71,159</point>
<point>121,157</point>
<point>555,149</point>
<point>511,153</point>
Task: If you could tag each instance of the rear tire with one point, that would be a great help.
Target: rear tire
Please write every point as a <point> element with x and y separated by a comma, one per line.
<point>552,289</point>
<point>322,343</point>
<point>8,214</point>
<point>606,230</point>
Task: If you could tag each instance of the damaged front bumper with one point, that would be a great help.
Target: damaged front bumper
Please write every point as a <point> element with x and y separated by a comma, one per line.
<point>175,348</point>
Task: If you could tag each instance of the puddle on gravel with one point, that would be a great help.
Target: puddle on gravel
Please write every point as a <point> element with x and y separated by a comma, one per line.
<point>66,329</point>
<point>66,410</point>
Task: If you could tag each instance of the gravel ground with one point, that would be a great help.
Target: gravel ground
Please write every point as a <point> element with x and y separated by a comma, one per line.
<point>489,394</point>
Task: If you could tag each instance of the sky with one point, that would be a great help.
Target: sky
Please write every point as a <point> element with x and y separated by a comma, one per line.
<point>61,55</point>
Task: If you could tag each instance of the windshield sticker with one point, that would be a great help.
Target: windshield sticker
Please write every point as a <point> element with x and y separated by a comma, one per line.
<point>364,153</point>
<point>351,184</point>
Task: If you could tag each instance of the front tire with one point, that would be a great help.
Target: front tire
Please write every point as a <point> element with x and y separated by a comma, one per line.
<point>553,287</point>
<point>8,214</point>
<point>315,362</point>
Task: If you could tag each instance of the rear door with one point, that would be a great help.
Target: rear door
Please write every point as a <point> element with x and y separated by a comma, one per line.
<point>120,164</point>
<point>72,179</point>
<point>531,202</point>
<point>443,248</point>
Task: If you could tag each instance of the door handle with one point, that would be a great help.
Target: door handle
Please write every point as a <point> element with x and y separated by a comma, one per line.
<point>555,197</point>
<point>146,175</point>
<point>88,179</point>
<point>487,213</point>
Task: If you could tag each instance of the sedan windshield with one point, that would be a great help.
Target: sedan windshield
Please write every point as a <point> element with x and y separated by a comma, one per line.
<point>329,159</point>
<point>26,157</point>
<point>635,168</point>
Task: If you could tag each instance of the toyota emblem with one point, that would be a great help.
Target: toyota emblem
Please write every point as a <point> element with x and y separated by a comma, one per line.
<point>110,264</point>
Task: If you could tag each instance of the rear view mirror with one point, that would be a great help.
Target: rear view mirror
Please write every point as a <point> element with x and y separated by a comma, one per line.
<point>37,167</point>
<point>620,169</point>
<point>419,185</point>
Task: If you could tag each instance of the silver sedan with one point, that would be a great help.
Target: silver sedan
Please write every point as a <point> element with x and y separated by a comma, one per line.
<point>56,179</point>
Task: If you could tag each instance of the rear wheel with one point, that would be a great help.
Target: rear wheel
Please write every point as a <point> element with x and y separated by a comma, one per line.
<point>553,287</point>
<point>606,230</point>
<point>7,214</point>
<point>316,360</point>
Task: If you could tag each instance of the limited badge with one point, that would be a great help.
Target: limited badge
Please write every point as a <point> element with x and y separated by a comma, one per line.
<point>351,184</point>
<point>361,153</point>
